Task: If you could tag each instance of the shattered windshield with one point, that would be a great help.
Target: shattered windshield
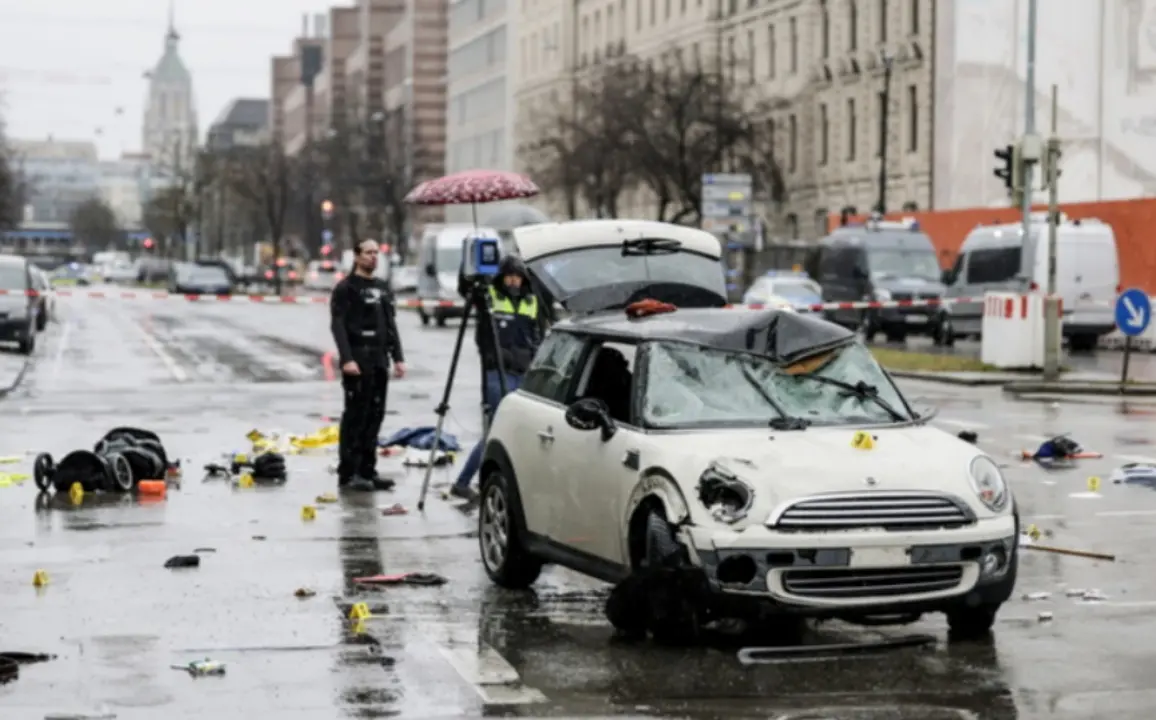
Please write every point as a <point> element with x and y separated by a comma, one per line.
<point>689,385</point>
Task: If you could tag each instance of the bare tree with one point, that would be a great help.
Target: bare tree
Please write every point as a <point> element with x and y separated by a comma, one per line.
<point>177,206</point>
<point>12,186</point>
<point>267,179</point>
<point>94,223</point>
<point>393,164</point>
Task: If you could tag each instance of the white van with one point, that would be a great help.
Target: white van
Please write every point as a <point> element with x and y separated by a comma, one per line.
<point>439,259</point>
<point>993,259</point>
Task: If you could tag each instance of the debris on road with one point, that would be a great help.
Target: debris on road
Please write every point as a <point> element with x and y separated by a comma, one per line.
<point>119,462</point>
<point>792,653</point>
<point>183,561</point>
<point>304,593</point>
<point>1069,551</point>
<point>39,578</point>
<point>1045,616</point>
<point>326,498</point>
<point>308,513</point>
<point>1093,596</point>
<point>395,509</point>
<point>421,458</point>
<point>410,578</point>
<point>421,438</point>
<point>202,667</point>
<point>1036,596</point>
<point>1060,451</point>
<point>10,479</point>
<point>969,436</point>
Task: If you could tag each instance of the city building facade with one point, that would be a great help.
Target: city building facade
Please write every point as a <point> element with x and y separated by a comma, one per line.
<point>826,68</point>
<point>244,122</point>
<point>60,176</point>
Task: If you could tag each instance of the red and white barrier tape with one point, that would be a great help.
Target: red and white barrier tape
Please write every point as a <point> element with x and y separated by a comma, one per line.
<point>435,304</point>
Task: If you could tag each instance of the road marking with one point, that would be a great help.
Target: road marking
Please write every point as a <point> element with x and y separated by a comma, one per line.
<point>490,675</point>
<point>1126,513</point>
<point>58,358</point>
<point>170,364</point>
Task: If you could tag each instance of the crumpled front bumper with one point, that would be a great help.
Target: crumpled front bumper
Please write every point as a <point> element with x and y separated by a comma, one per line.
<point>853,570</point>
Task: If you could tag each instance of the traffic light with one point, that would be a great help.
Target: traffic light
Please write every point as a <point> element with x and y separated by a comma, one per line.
<point>326,250</point>
<point>148,243</point>
<point>1007,171</point>
<point>326,207</point>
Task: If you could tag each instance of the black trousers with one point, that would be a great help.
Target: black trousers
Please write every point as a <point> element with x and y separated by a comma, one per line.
<point>361,420</point>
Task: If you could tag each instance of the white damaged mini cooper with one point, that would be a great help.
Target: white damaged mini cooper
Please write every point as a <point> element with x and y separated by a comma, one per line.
<point>719,464</point>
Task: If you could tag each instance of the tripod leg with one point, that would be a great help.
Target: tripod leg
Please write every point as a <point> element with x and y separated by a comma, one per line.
<point>444,407</point>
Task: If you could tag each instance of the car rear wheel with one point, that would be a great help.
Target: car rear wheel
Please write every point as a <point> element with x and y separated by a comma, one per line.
<point>28,344</point>
<point>424,318</point>
<point>504,556</point>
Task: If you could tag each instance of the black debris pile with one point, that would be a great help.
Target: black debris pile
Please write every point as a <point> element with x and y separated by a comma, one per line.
<point>267,466</point>
<point>118,462</point>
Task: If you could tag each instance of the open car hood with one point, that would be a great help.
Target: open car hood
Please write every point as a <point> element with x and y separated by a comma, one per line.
<point>593,265</point>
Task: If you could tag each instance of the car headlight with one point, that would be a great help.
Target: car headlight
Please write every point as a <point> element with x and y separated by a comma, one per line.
<point>882,295</point>
<point>727,497</point>
<point>988,483</point>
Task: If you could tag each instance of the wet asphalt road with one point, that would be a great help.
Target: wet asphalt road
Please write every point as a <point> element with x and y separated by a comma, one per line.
<point>203,375</point>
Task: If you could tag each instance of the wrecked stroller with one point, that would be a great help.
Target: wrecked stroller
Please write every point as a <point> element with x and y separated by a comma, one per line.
<point>117,463</point>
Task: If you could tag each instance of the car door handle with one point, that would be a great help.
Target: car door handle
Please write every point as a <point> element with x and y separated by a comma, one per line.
<point>546,436</point>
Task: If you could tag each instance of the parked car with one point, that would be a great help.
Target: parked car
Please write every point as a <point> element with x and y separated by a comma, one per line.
<point>784,289</point>
<point>119,272</point>
<point>321,275</point>
<point>995,258</point>
<point>404,279</point>
<point>72,274</point>
<point>193,279</point>
<point>19,306</point>
<point>46,295</point>
<point>721,463</point>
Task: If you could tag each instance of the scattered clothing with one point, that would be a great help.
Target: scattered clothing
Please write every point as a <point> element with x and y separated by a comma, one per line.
<point>412,578</point>
<point>183,561</point>
<point>421,438</point>
<point>1060,450</point>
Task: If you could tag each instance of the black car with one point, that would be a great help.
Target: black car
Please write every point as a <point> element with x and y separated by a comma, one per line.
<point>19,304</point>
<point>192,279</point>
<point>885,262</point>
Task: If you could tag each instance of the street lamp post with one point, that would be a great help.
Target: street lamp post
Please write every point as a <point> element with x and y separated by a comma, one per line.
<point>884,112</point>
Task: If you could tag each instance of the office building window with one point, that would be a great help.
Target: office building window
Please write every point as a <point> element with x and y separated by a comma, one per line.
<point>882,20</point>
<point>792,144</point>
<point>771,51</point>
<point>638,15</point>
<point>794,40</point>
<point>852,129</point>
<point>913,17</point>
<point>852,25</point>
<point>824,138</point>
<point>880,100</point>
<point>912,118</point>
<point>824,31</point>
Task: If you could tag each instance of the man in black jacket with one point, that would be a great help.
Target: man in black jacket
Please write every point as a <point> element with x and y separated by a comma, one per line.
<point>365,331</point>
<point>519,329</point>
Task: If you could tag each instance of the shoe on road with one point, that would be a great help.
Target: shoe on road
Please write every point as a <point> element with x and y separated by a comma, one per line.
<point>463,491</point>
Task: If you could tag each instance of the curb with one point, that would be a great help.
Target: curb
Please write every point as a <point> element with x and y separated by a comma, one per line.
<point>948,379</point>
<point>1104,389</point>
<point>19,377</point>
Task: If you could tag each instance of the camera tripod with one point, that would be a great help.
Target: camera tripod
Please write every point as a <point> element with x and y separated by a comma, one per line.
<point>478,299</point>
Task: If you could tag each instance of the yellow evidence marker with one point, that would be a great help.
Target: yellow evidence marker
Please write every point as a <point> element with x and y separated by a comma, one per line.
<point>863,441</point>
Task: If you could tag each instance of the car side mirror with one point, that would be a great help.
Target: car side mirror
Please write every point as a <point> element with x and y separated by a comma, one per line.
<point>431,270</point>
<point>591,414</point>
<point>858,273</point>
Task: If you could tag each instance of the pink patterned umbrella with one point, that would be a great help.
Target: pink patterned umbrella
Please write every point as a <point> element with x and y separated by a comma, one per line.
<point>472,186</point>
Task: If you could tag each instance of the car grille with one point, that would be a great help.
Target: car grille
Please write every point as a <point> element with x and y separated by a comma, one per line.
<point>914,296</point>
<point>889,511</point>
<point>875,582</point>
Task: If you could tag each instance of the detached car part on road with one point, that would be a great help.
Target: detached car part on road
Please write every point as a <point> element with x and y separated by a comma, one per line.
<point>117,463</point>
<point>728,463</point>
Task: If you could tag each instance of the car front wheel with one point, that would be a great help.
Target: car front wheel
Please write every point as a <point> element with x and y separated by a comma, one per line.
<point>500,538</point>
<point>973,623</point>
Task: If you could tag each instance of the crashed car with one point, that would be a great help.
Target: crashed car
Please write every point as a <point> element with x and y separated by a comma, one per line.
<point>718,463</point>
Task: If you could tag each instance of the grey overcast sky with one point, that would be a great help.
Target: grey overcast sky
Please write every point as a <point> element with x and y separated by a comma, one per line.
<point>73,69</point>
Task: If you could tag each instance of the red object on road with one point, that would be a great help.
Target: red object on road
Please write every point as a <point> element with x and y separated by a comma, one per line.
<point>473,186</point>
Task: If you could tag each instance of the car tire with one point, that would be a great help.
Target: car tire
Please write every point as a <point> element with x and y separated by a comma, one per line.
<point>42,320</point>
<point>504,556</point>
<point>971,624</point>
<point>896,335</point>
<point>944,333</point>
<point>424,318</point>
<point>868,327</point>
<point>673,605</point>
<point>28,344</point>
<point>1082,343</point>
<point>440,319</point>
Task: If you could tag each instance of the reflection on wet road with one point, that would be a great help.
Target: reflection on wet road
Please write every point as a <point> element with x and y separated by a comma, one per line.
<point>203,375</point>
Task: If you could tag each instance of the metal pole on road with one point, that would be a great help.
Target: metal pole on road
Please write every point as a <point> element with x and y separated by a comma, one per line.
<point>884,112</point>
<point>1029,116</point>
<point>1051,302</point>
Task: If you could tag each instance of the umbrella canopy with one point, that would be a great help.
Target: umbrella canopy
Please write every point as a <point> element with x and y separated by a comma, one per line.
<point>472,186</point>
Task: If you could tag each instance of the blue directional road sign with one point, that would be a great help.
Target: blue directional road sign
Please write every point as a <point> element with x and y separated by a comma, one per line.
<point>1133,312</point>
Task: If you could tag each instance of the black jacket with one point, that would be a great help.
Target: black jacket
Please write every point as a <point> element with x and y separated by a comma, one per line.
<point>363,322</point>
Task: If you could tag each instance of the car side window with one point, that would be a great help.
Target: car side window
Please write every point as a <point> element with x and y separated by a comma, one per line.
<point>554,366</point>
<point>993,265</point>
<point>609,376</point>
